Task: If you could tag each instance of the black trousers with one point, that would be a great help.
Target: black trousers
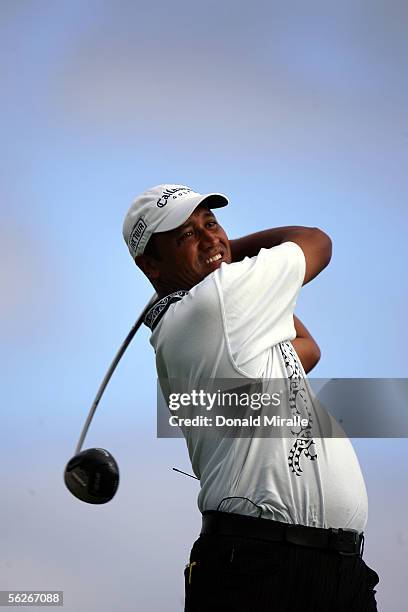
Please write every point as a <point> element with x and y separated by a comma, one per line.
<point>232,574</point>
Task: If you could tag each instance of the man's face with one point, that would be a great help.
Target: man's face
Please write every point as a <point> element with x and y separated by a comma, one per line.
<point>190,252</point>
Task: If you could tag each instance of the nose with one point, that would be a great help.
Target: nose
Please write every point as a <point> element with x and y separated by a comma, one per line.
<point>208,238</point>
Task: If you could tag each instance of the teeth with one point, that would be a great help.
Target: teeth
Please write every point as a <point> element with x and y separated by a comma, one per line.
<point>215,258</point>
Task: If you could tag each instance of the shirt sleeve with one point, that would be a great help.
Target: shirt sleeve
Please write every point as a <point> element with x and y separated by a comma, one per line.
<point>258,298</point>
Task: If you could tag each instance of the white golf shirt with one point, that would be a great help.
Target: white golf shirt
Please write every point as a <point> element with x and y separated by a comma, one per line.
<point>238,323</point>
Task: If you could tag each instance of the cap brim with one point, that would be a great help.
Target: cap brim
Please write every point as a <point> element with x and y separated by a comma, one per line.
<point>180,213</point>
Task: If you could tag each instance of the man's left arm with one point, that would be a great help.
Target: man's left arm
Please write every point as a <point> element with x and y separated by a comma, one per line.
<point>305,346</point>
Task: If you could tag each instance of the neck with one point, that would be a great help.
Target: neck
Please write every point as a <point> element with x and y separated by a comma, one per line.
<point>163,289</point>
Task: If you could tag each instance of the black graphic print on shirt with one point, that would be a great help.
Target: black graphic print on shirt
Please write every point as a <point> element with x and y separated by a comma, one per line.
<point>298,404</point>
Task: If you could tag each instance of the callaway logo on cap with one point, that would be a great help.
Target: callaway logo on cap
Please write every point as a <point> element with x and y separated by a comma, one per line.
<point>161,209</point>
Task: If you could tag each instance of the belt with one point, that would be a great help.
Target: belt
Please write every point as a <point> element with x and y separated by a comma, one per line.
<point>343,541</point>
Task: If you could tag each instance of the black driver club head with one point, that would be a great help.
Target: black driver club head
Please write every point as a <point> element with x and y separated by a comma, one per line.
<point>92,476</point>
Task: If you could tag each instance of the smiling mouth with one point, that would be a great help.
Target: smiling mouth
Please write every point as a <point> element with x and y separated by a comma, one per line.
<point>213,258</point>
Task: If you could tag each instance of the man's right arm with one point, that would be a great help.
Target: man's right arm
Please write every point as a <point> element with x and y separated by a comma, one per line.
<point>305,346</point>
<point>315,244</point>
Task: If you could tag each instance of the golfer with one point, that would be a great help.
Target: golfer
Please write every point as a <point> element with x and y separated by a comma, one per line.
<point>283,516</point>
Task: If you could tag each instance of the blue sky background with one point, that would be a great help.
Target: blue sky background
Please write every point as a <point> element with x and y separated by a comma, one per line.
<point>298,112</point>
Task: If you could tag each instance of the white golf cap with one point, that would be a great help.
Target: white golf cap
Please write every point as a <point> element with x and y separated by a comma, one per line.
<point>161,209</point>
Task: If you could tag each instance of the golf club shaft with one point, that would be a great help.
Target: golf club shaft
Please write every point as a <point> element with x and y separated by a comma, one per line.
<point>111,370</point>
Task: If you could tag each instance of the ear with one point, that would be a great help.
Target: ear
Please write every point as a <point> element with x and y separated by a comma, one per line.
<point>149,266</point>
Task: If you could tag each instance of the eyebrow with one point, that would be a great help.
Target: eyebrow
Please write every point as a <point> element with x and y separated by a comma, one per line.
<point>208,213</point>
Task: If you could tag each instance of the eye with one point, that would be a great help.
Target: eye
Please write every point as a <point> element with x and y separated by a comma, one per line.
<point>212,223</point>
<point>185,236</point>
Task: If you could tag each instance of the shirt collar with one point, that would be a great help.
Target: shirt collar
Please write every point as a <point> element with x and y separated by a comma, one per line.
<point>158,309</point>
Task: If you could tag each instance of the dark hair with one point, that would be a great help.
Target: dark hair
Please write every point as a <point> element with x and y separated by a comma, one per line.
<point>151,249</point>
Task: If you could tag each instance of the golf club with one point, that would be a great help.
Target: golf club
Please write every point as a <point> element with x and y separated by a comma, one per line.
<point>92,475</point>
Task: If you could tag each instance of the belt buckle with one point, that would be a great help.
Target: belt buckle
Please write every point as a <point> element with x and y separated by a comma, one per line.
<point>345,541</point>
